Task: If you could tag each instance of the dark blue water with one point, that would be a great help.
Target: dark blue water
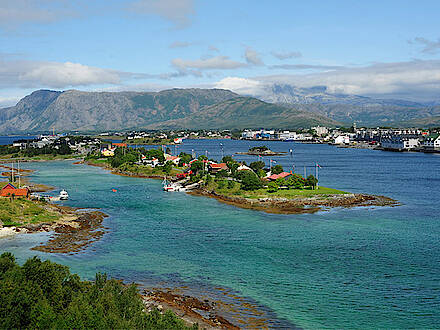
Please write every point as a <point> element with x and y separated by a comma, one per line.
<point>344,268</point>
<point>5,140</point>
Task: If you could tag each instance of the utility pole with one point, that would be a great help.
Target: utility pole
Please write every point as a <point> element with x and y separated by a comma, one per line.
<point>305,172</point>
<point>12,173</point>
<point>19,175</point>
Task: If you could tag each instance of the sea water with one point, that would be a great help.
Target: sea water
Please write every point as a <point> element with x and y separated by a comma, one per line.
<point>375,267</point>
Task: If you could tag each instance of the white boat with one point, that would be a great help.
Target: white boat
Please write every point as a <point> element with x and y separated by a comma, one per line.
<point>64,195</point>
<point>169,186</point>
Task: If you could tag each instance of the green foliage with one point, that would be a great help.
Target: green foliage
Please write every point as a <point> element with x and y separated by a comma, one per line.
<point>280,182</point>
<point>227,159</point>
<point>259,148</point>
<point>277,169</point>
<point>257,166</point>
<point>167,167</point>
<point>250,181</point>
<point>311,181</point>
<point>44,295</point>
<point>197,166</point>
<point>184,158</point>
<point>221,174</point>
<point>295,181</point>
<point>272,187</point>
<point>231,184</point>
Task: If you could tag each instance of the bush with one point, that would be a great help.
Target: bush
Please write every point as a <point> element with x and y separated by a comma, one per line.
<point>272,187</point>
<point>311,181</point>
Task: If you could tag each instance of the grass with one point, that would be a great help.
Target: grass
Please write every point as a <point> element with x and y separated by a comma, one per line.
<point>19,212</point>
<point>235,190</point>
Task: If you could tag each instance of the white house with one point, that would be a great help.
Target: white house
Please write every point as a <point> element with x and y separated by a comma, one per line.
<point>399,143</point>
<point>342,139</point>
<point>432,142</point>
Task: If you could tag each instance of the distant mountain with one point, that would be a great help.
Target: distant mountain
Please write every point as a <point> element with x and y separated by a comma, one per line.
<point>74,110</point>
<point>247,112</point>
<point>363,110</point>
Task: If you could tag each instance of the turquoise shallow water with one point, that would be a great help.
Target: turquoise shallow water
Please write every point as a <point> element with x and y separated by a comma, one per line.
<point>345,268</point>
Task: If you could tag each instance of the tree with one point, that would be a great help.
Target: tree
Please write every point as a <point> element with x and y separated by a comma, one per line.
<point>277,169</point>
<point>250,181</point>
<point>257,166</point>
<point>227,159</point>
<point>197,166</point>
<point>311,181</point>
<point>184,158</point>
<point>167,167</point>
<point>295,181</point>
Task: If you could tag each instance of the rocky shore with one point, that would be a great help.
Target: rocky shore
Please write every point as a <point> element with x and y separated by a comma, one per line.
<point>299,205</point>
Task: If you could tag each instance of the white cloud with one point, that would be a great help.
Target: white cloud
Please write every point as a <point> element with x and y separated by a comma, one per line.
<point>179,12</point>
<point>252,57</point>
<point>430,47</point>
<point>35,74</point>
<point>286,55</point>
<point>414,80</point>
<point>241,85</point>
<point>212,48</point>
<point>211,63</point>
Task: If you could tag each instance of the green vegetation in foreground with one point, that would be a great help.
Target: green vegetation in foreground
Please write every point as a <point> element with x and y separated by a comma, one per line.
<point>45,295</point>
<point>19,212</point>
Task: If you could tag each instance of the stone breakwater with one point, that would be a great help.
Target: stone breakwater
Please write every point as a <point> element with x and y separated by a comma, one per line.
<point>300,204</point>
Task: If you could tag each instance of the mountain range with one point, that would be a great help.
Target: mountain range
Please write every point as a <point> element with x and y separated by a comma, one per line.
<point>73,110</point>
<point>348,108</point>
<point>276,106</point>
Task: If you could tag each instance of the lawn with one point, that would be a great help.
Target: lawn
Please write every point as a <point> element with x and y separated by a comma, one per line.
<point>234,190</point>
<point>18,212</point>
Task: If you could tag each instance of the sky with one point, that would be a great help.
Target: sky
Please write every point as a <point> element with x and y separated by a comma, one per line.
<point>386,48</point>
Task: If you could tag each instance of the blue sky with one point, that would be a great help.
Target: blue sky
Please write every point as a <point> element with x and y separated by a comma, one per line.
<point>378,48</point>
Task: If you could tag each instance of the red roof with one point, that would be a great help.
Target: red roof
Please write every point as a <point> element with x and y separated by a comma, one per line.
<point>278,176</point>
<point>10,190</point>
<point>119,144</point>
<point>220,166</point>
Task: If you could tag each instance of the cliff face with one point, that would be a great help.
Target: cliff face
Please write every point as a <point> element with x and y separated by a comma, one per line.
<point>176,108</point>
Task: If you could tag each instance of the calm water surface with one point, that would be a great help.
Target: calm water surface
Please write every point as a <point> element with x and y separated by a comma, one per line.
<point>345,268</point>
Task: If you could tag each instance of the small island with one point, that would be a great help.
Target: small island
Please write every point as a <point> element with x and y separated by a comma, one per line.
<point>261,151</point>
<point>250,186</point>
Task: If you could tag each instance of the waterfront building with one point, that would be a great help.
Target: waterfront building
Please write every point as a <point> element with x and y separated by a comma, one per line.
<point>399,143</point>
<point>432,142</point>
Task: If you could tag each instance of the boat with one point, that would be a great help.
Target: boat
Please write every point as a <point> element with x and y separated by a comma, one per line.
<point>64,195</point>
<point>169,186</point>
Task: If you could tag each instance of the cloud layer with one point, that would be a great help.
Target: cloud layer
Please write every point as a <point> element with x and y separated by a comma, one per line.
<point>415,80</point>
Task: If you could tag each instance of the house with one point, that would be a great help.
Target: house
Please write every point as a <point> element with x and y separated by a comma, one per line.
<point>108,152</point>
<point>243,167</point>
<point>342,139</point>
<point>11,190</point>
<point>174,159</point>
<point>282,175</point>
<point>432,142</point>
<point>152,162</point>
<point>119,145</point>
<point>397,142</point>
<point>214,168</point>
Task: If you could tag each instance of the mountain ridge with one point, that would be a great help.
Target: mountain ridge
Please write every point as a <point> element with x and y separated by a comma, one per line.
<point>74,110</point>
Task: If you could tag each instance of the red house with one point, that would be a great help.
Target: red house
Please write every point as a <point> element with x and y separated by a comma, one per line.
<point>10,190</point>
